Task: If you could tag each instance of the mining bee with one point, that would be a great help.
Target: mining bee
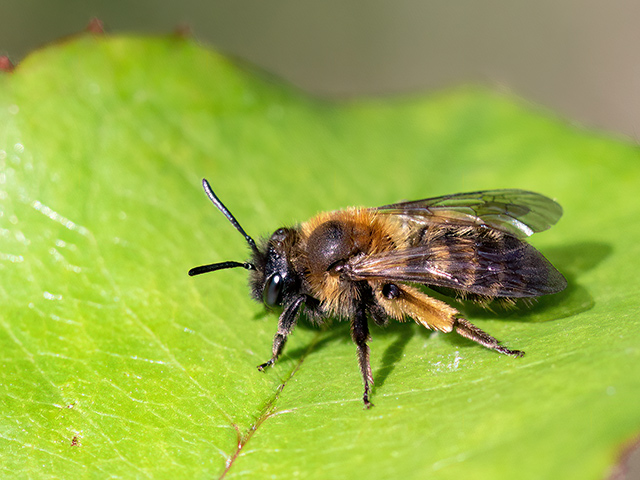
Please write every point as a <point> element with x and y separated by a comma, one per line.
<point>366,264</point>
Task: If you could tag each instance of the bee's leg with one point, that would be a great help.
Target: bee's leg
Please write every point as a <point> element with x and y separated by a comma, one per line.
<point>360,336</point>
<point>401,301</point>
<point>285,324</point>
<point>470,331</point>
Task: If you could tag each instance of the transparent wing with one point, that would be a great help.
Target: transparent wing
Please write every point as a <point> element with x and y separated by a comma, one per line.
<point>517,212</point>
<point>495,266</point>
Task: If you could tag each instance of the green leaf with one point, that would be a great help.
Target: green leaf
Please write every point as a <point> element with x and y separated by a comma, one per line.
<point>115,363</point>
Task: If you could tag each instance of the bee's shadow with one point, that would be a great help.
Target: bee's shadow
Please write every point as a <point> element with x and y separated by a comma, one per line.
<point>339,332</point>
<point>394,351</point>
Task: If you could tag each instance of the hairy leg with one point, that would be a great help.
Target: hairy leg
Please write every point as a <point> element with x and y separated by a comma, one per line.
<point>470,331</point>
<point>285,325</point>
<point>360,336</point>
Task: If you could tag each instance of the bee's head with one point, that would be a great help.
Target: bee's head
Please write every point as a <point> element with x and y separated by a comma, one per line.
<point>273,279</point>
<point>271,276</point>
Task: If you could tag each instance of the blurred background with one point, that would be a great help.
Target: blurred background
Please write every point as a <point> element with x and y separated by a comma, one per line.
<point>580,59</point>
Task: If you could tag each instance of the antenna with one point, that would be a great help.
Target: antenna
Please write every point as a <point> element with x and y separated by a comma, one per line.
<point>219,266</point>
<point>225,211</point>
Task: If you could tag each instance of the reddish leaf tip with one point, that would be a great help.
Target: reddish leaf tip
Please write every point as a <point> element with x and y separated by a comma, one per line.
<point>5,64</point>
<point>95,26</point>
<point>183,30</point>
<point>628,463</point>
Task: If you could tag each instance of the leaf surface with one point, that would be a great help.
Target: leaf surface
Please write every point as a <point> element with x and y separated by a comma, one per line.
<point>116,363</point>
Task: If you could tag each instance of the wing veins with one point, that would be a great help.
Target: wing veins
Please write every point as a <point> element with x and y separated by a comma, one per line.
<point>520,213</point>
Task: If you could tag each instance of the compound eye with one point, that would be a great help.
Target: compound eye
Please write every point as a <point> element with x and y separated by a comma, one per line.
<point>272,290</point>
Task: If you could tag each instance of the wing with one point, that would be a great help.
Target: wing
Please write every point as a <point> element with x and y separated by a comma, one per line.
<point>517,212</point>
<point>479,262</point>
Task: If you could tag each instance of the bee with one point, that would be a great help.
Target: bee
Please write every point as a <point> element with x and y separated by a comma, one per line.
<point>367,264</point>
